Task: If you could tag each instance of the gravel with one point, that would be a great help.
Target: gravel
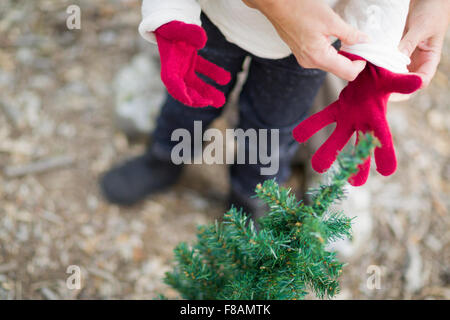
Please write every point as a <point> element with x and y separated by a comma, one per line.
<point>60,95</point>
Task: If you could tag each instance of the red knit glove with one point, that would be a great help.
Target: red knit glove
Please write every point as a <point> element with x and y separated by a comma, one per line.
<point>178,45</point>
<point>361,107</point>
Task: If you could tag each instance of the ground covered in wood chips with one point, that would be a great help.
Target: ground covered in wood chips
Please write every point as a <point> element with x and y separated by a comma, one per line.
<point>58,134</point>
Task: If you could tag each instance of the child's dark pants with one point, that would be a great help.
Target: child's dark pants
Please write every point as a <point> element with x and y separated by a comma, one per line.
<point>277,95</point>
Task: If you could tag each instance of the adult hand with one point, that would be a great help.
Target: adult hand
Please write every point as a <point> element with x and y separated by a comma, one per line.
<point>306,27</point>
<point>424,36</point>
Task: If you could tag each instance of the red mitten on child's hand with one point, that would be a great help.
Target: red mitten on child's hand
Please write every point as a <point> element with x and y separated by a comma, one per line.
<point>178,45</point>
<point>361,107</point>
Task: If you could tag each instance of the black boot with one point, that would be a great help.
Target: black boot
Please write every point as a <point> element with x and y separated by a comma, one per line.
<point>138,178</point>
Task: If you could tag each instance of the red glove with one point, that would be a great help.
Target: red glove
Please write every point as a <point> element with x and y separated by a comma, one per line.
<point>178,45</point>
<point>361,107</point>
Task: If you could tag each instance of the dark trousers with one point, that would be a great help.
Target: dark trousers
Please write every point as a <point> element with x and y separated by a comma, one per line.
<point>277,95</point>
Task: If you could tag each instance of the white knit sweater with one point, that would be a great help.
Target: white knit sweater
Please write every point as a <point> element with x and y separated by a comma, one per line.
<point>382,20</point>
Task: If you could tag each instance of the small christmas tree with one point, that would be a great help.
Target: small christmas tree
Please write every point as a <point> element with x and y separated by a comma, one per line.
<point>285,259</point>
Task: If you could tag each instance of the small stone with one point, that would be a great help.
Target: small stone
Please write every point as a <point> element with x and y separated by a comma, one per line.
<point>139,96</point>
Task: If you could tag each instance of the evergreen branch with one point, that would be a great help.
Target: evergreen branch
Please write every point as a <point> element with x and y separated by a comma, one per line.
<point>288,256</point>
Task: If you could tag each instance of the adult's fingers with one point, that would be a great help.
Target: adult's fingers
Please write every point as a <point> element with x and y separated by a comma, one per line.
<point>425,59</point>
<point>337,64</point>
<point>411,40</point>
<point>209,69</point>
<point>427,71</point>
<point>345,32</point>
<point>330,60</point>
<point>307,128</point>
<point>327,153</point>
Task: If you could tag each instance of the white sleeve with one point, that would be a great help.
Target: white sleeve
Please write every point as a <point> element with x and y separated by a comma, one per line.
<point>156,13</point>
<point>384,22</point>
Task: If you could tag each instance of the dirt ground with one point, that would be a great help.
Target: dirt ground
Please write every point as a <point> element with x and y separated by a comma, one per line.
<point>57,106</point>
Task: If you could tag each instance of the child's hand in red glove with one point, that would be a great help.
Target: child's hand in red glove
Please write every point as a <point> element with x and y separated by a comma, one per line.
<point>361,107</point>
<point>178,45</point>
